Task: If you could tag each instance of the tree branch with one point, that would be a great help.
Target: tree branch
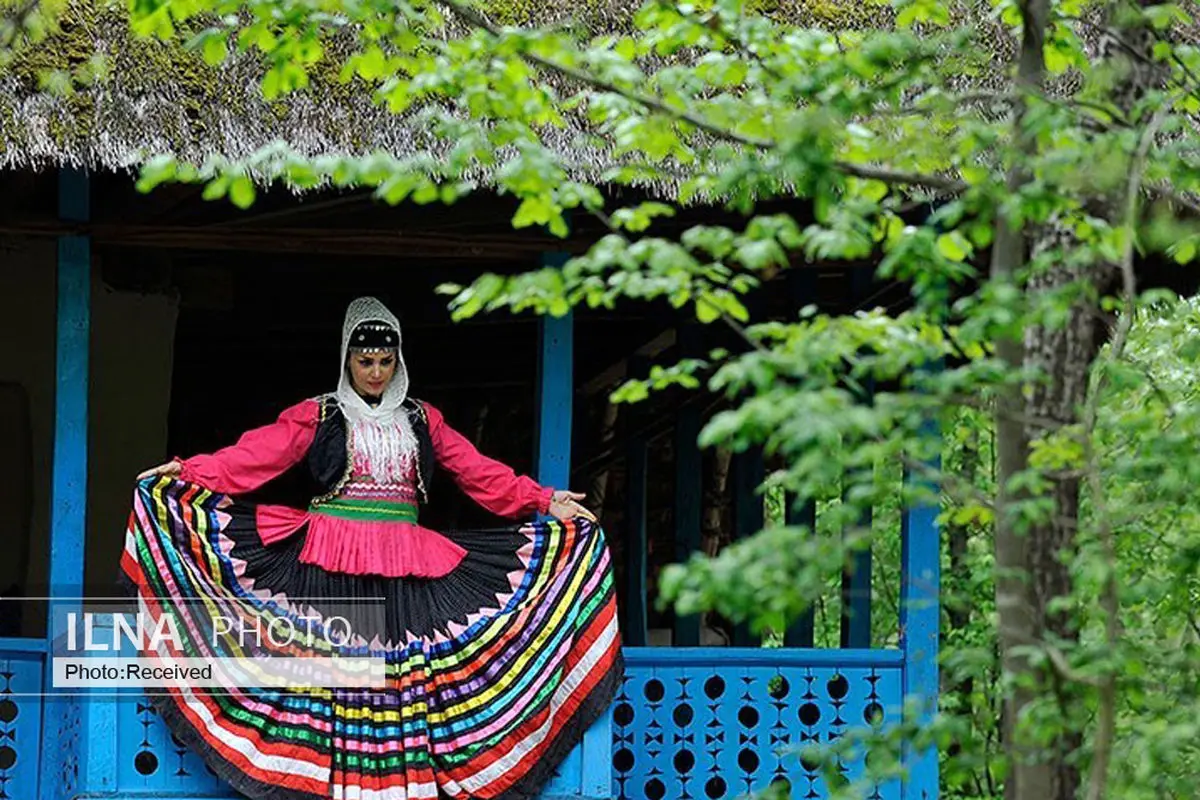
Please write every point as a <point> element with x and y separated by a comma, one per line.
<point>1110,597</point>
<point>1156,389</point>
<point>889,176</point>
<point>473,17</point>
<point>1186,70</point>
<point>14,22</point>
<point>654,103</point>
<point>733,38</point>
<point>1058,659</point>
<point>1167,193</point>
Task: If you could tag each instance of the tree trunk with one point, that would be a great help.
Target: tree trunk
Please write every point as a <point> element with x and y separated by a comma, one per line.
<point>715,533</point>
<point>608,430</point>
<point>1029,777</point>
<point>1062,357</point>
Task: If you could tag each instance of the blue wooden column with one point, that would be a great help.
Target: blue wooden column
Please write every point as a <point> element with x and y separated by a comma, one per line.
<point>61,770</point>
<point>637,546</point>
<point>802,286</point>
<point>856,579</point>
<point>69,483</point>
<point>585,773</point>
<point>800,632</point>
<point>920,553</point>
<point>556,392</point>
<point>748,517</point>
<point>689,483</point>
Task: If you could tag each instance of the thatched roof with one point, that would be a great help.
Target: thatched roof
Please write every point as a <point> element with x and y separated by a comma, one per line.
<point>159,98</point>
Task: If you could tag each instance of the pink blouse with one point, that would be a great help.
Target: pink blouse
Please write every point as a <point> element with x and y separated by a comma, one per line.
<point>390,548</point>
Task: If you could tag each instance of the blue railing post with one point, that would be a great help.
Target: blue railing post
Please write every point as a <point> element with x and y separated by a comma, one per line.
<point>61,721</point>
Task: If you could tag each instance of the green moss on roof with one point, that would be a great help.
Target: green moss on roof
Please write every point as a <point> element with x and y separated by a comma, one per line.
<point>605,14</point>
<point>160,97</point>
<point>527,12</point>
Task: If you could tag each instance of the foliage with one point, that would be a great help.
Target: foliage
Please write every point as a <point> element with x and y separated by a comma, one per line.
<point>902,160</point>
<point>24,23</point>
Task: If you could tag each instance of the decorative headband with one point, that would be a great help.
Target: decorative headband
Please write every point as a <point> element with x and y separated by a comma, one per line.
<point>374,337</point>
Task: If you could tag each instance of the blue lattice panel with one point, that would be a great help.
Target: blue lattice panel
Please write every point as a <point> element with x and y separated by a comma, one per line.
<point>691,726</point>
<point>148,759</point>
<point>67,735</point>
<point>20,724</point>
<point>151,760</point>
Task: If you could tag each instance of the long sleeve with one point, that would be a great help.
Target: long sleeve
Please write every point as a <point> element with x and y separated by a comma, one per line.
<point>260,455</point>
<point>486,481</point>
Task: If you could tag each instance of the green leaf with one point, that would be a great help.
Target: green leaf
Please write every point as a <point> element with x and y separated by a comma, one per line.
<point>272,84</point>
<point>953,246</point>
<point>266,41</point>
<point>873,190</point>
<point>372,64</point>
<point>241,192</point>
<point>534,210</point>
<point>1057,61</point>
<point>216,188</point>
<point>632,391</point>
<point>216,49</point>
<point>558,226</point>
<point>1184,252</point>
<point>158,170</point>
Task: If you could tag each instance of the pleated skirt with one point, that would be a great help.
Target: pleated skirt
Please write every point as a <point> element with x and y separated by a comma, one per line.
<point>492,673</point>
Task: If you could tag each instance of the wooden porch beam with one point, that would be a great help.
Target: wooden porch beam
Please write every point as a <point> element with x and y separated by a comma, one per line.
<point>304,241</point>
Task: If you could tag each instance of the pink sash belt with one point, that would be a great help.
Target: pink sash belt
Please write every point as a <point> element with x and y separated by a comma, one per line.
<point>362,546</point>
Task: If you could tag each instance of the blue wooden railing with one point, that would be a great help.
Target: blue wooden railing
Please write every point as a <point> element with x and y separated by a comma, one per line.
<point>688,723</point>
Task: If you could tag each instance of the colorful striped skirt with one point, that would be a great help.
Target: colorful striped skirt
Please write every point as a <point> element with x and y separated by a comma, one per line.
<point>485,678</point>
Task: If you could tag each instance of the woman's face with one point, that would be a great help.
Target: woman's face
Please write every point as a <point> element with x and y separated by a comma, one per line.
<point>372,372</point>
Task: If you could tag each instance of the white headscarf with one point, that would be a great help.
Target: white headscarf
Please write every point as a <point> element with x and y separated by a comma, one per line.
<point>381,436</point>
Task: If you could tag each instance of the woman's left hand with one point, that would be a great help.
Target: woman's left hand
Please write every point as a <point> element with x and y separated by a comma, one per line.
<point>565,505</point>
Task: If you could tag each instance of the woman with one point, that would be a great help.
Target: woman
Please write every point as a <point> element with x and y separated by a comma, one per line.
<point>501,646</point>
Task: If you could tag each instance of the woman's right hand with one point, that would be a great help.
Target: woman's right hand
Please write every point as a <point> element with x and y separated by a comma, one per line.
<point>171,468</point>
